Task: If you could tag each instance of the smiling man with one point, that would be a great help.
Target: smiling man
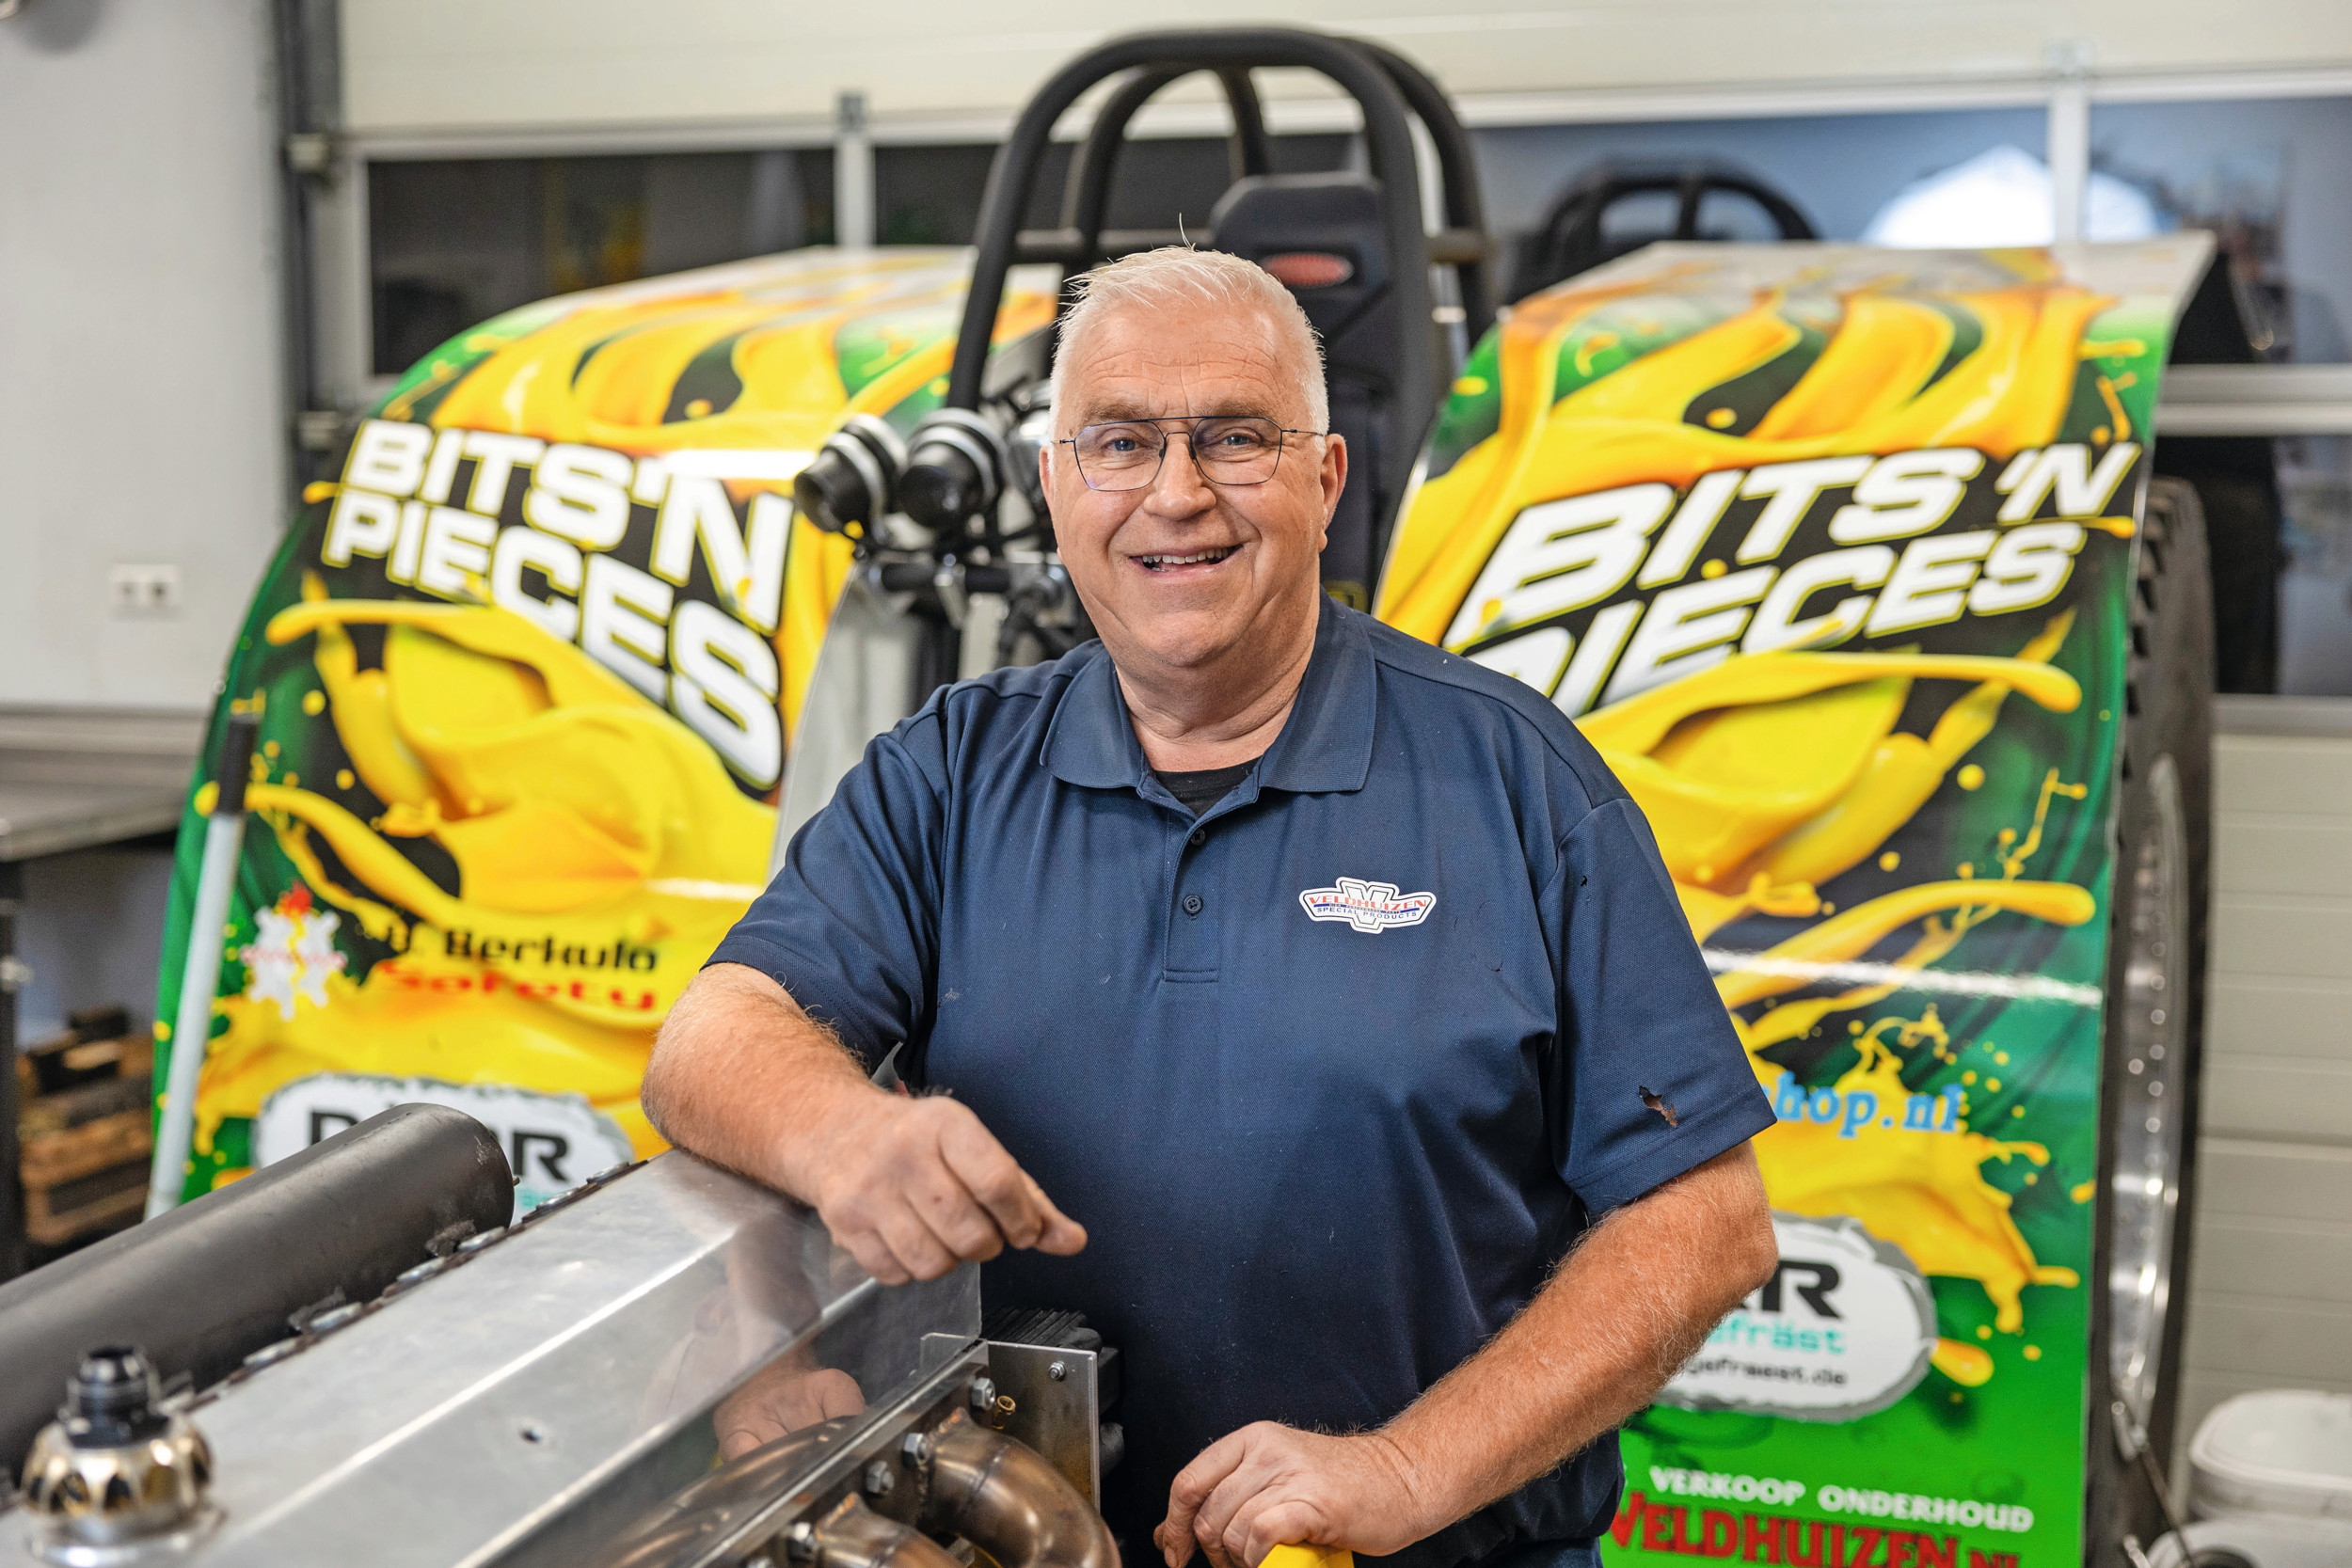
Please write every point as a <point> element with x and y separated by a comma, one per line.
<point>1330,980</point>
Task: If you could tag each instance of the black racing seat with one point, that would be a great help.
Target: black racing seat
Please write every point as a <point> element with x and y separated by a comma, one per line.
<point>1321,235</point>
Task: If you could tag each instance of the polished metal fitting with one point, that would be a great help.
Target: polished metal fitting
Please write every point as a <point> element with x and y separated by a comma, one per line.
<point>112,1470</point>
<point>914,1450</point>
<point>983,1395</point>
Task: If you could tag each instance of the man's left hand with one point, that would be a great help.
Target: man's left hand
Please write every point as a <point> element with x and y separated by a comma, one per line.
<point>1268,1485</point>
<point>780,1400</point>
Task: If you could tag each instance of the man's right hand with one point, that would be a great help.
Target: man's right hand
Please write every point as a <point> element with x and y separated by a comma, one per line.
<point>914,1186</point>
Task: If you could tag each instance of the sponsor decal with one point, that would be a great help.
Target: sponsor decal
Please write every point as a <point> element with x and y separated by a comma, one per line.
<point>1923,538</point>
<point>553,1142</point>
<point>292,954</point>
<point>1648,1525</point>
<point>1652,1519</point>
<point>547,950</point>
<point>551,559</point>
<point>1372,907</point>
<point>1844,1327</point>
<point>1850,1110</point>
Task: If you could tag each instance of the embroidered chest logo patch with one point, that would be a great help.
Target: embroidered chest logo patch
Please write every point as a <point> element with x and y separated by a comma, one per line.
<point>1372,907</point>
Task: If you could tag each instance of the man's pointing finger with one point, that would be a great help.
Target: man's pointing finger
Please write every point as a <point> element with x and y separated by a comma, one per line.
<point>1062,1235</point>
<point>1022,1211</point>
<point>996,1183</point>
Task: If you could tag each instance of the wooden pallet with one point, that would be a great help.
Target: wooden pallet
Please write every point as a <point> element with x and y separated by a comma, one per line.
<point>86,1148</point>
<point>87,1178</point>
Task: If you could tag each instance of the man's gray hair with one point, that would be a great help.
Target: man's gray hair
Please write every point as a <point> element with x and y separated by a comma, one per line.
<point>1179,274</point>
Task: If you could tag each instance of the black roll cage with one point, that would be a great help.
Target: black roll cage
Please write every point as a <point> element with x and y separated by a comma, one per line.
<point>1386,86</point>
<point>1572,224</point>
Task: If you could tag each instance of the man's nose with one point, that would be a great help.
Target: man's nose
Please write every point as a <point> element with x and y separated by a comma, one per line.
<point>1180,490</point>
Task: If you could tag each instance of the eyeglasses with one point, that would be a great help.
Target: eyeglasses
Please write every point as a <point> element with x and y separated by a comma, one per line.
<point>1229,449</point>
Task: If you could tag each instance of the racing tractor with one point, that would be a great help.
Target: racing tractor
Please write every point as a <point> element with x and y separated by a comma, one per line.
<point>1850,563</point>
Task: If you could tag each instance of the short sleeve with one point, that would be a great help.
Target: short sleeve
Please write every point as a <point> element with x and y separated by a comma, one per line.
<point>848,926</point>
<point>1639,1020</point>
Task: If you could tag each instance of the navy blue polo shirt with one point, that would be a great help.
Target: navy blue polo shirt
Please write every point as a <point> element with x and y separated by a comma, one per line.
<point>1332,1076</point>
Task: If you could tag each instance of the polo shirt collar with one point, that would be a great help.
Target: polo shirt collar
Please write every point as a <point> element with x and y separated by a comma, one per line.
<point>1090,741</point>
<point>1326,744</point>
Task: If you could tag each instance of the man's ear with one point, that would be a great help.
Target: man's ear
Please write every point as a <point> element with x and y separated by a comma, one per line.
<point>1334,475</point>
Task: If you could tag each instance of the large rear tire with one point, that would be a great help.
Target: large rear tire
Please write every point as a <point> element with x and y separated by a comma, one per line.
<point>2151,1054</point>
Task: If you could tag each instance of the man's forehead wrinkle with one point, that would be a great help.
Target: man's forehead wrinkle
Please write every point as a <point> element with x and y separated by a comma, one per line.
<point>1156,348</point>
<point>1124,406</point>
<point>1171,378</point>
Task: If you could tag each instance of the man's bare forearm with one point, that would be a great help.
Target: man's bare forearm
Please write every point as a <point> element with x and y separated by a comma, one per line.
<point>1625,1309</point>
<point>742,1076</point>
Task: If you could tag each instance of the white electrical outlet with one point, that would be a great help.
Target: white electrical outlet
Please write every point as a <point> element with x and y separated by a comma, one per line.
<point>146,589</point>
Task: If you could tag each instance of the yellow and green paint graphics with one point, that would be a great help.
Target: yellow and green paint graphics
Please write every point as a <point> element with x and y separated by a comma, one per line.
<point>527,674</point>
<point>1826,550</point>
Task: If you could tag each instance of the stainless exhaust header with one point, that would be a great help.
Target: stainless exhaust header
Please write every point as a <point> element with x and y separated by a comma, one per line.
<point>1003,1496</point>
<point>854,1536</point>
<point>871,1492</point>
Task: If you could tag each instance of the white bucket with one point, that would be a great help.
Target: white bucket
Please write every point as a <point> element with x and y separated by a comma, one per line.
<point>2283,1452</point>
<point>2272,1543</point>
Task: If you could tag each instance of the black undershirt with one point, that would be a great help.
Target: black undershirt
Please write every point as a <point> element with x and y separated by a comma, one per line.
<point>1198,792</point>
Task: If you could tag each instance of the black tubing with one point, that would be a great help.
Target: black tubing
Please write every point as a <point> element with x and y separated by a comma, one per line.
<point>203,1287</point>
<point>1090,172</point>
<point>1569,241</point>
<point>1251,153</point>
<point>1088,197</point>
<point>1087,201</point>
<point>1388,139</point>
<point>236,763</point>
<point>1458,177</point>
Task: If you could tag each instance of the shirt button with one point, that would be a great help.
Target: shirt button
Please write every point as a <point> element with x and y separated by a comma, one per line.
<point>1192,903</point>
<point>1200,836</point>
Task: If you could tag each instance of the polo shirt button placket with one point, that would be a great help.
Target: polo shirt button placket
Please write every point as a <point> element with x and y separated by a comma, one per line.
<point>1192,903</point>
<point>1198,837</point>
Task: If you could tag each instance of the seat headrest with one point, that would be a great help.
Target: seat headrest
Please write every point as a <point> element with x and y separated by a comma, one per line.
<point>1319,233</point>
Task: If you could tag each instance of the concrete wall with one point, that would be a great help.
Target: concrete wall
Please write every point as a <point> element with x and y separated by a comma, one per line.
<point>140,410</point>
<point>2270,1296</point>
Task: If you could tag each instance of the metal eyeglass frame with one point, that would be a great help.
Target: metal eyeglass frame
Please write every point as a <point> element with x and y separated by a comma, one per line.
<point>1167,440</point>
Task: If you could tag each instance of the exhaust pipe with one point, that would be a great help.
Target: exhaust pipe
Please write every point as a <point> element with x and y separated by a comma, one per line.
<point>679,1532</point>
<point>854,1536</point>
<point>1004,1497</point>
<point>999,1494</point>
